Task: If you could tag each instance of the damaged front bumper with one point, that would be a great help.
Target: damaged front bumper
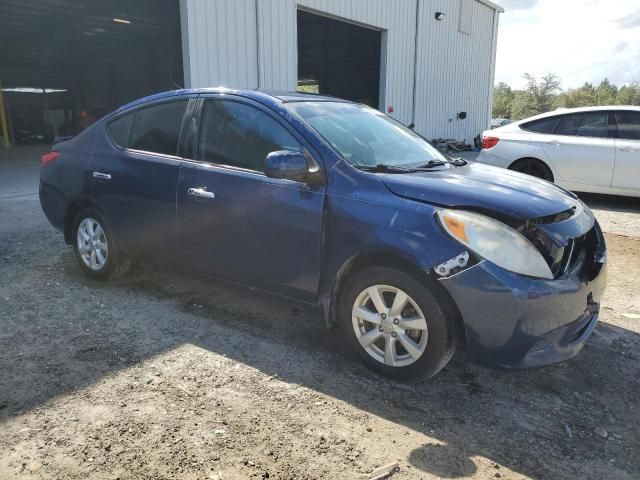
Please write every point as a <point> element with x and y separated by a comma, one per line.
<point>512,321</point>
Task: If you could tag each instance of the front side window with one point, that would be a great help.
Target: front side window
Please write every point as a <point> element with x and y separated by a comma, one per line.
<point>594,124</point>
<point>240,135</point>
<point>156,129</point>
<point>628,125</point>
<point>365,137</point>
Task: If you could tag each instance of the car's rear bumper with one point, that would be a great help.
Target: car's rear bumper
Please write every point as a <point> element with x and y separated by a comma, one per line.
<point>492,157</point>
<point>54,205</point>
<point>515,322</point>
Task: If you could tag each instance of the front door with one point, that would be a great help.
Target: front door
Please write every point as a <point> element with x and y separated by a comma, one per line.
<point>627,169</point>
<point>581,148</point>
<point>234,221</point>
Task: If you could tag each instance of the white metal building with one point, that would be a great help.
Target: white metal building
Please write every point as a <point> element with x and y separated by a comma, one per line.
<point>428,60</point>
<point>436,57</point>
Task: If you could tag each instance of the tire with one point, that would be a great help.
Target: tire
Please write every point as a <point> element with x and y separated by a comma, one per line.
<point>439,337</point>
<point>534,167</point>
<point>96,247</point>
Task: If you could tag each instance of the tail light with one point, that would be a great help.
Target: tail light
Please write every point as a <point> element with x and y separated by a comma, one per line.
<point>48,158</point>
<point>489,142</point>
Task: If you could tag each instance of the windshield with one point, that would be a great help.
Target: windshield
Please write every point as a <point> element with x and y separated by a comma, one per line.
<point>364,136</point>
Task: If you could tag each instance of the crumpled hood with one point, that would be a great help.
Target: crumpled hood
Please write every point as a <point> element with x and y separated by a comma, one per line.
<point>483,188</point>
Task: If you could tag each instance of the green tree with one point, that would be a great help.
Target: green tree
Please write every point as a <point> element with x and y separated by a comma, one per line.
<point>629,94</point>
<point>544,94</point>
<point>585,96</point>
<point>542,91</point>
<point>502,101</point>
<point>523,105</point>
<point>606,93</point>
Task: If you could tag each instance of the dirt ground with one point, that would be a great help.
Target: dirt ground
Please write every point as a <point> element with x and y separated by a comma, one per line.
<point>163,375</point>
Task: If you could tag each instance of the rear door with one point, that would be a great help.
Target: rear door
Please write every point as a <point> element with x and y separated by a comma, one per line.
<point>134,176</point>
<point>627,169</point>
<point>234,221</point>
<point>581,148</point>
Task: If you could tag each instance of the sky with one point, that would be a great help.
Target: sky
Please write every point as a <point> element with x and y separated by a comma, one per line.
<point>578,40</point>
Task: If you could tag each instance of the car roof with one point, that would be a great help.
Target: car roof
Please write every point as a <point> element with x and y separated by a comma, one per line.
<point>267,97</point>
<point>565,111</point>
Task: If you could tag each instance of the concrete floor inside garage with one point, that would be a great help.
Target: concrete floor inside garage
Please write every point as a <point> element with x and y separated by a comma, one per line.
<point>164,375</point>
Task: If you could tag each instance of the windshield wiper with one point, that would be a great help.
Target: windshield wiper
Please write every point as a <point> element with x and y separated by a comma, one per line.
<point>458,162</point>
<point>432,164</point>
<point>383,168</point>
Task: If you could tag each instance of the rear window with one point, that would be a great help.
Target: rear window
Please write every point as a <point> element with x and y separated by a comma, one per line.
<point>157,128</point>
<point>628,125</point>
<point>120,128</point>
<point>544,125</point>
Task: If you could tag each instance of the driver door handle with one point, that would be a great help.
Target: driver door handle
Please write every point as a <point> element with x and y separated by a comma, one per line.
<point>200,192</point>
<point>627,149</point>
<point>101,175</point>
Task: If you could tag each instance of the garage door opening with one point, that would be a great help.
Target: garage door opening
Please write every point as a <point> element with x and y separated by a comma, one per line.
<point>339,58</point>
<point>67,63</point>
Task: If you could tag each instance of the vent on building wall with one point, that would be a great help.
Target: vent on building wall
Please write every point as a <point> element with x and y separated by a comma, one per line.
<point>466,16</point>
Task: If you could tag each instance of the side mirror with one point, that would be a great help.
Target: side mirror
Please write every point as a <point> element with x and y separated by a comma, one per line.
<point>294,166</point>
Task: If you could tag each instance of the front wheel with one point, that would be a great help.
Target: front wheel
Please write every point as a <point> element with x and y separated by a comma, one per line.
<point>396,324</point>
<point>533,167</point>
<point>96,247</point>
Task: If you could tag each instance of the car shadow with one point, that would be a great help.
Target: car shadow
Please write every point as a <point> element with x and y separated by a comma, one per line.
<point>538,423</point>
<point>611,203</point>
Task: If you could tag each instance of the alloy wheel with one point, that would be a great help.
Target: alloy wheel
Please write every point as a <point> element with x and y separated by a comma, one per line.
<point>92,244</point>
<point>389,325</point>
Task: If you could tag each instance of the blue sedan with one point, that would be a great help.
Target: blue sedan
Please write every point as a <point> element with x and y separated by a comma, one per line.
<point>412,255</point>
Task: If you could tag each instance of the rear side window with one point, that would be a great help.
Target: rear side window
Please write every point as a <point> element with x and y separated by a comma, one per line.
<point>628,125</point>
<point>594,124</point>
<point>120,128</point>
<point>239,135</point>
<point>157,128</point>
<point>544,125</point>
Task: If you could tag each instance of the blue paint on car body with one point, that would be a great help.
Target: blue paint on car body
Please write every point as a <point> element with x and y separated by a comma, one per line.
<point>296,239</point>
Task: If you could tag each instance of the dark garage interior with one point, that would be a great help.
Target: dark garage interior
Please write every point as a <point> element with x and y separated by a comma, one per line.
<point>339,58</point>
<point>65,63</point>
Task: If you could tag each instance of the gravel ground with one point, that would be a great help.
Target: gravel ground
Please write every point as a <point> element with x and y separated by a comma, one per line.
<point>163,375</point>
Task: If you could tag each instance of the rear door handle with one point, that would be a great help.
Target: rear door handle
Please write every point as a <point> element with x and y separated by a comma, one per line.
<point>101,176</point>
<point>200,192</point>
<point>627,149</point>
<point>553,142</point>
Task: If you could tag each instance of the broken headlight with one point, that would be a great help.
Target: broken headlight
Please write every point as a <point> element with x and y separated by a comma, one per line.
<point>496,242</point>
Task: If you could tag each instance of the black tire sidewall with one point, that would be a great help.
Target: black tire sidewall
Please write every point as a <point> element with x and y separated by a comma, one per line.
<point>548,174</point>
<point>113,255</point>
<point>441,341</point>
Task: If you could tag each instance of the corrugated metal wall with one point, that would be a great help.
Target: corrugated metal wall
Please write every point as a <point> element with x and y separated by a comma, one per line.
<point>219,43</point>
<point>253,44</point>
<point>278,42</point>
<point>455,71</point>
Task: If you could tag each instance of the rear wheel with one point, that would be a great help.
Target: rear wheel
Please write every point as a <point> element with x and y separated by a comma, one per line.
<point>533,167</point>
<point>396,324</point>
<point>96,247</point>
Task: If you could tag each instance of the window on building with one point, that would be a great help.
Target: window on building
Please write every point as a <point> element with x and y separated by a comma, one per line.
<point>594,124</point>
<point>466,16</point>
<point>157,128</point>
<point>240,135</point>
<point>628,125</point>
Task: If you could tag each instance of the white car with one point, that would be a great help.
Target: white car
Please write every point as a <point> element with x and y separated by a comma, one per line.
<point>594,149</point>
